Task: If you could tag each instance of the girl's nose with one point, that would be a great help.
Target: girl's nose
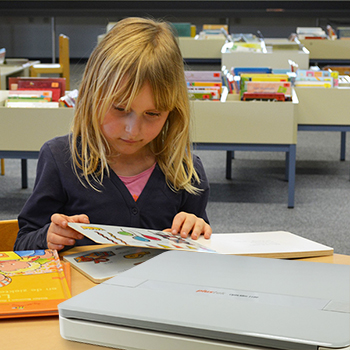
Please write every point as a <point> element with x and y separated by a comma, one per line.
<point>132,123</point>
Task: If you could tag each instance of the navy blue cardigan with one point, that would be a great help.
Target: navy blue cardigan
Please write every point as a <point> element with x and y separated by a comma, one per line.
<point>58,190</point>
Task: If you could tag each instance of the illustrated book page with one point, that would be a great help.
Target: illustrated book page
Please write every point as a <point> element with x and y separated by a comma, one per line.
<point>32,283</point>
<point>136,237</point>
<point>274,244</point>
<point>101,264</point>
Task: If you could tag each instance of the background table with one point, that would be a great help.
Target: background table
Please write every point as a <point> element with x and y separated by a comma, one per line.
<point>14,70</point>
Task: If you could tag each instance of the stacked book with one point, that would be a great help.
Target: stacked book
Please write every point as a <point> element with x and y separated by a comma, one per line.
<point>35,92</point>
<point>311,33</point>
<point>30,98</point>
<point>204,85</point>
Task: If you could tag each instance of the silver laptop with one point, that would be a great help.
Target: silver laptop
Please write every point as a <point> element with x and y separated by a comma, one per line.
<point>185,300</point>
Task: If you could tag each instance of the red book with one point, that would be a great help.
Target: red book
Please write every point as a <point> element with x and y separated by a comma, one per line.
<point>56,85</point>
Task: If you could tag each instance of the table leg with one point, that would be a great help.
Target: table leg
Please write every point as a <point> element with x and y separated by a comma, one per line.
<point>229,165</point>
<point>24,173</point>
<point>342,145</point>
<point>291,175</point>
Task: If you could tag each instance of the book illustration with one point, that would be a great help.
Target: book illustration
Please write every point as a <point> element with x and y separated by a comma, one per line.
<point>101,264</point>
<point>27,262</point>
<point>274,244</point>
<point>136,237</point>
<point>32,283</point>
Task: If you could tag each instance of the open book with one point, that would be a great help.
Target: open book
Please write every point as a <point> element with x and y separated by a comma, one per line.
<point>101,262</point>
<point>141,244</point>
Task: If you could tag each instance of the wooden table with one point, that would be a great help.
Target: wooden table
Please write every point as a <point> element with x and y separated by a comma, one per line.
<point>41,333</point>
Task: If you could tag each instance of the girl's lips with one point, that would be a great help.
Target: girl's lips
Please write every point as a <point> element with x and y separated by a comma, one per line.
<point>129,141</point>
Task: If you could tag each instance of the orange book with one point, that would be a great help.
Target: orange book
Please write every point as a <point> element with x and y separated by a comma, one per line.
<point>32,283</point>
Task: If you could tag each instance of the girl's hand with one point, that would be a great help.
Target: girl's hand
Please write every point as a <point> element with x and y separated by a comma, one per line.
<point>60,234</point>
<point>189,224</point>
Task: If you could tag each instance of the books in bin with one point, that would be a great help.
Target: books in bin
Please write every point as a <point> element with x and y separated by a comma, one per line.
<point>133,245</point>
<point>30,98</point>
<point>32,283</point>
<point>204,85</point>
<point>56,85</point>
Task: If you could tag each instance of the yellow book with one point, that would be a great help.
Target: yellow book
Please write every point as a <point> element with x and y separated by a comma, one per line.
<point>215,26</point>
<point>32,283</point>
<point>263,76</point>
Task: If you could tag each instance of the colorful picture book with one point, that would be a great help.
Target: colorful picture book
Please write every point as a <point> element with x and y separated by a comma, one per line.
<point>104,263</point>
<point>136,237</point>
<point>32,283</point>
<point>275,244</point>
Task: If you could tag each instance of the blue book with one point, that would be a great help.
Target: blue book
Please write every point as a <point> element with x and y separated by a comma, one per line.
<point>255,70</point>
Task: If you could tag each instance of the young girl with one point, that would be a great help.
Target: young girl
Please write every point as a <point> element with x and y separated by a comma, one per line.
<point>127,161</point>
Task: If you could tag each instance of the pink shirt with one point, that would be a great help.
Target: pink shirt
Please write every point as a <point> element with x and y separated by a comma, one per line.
<point>135,184</point>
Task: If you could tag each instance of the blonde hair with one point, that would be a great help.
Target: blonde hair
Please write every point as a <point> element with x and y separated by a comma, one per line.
<point>133,52</point>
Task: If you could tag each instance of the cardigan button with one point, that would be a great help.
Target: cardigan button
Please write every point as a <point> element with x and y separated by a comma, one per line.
<point>134,211</point>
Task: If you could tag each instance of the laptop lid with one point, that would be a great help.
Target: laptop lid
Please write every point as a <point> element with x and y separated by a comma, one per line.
<point>253,301</point>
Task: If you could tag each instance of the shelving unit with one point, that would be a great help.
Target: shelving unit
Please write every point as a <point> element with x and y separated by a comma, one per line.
<point>248,126</point>
<point>24,130</point>
<point>328,50</point>
<point>324,110</point>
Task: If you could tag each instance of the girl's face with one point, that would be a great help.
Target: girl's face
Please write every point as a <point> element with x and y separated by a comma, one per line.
<point>128,132</point>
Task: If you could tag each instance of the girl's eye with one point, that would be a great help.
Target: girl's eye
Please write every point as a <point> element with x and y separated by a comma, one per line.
<point>153,114</point>
<point>120,109</point>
